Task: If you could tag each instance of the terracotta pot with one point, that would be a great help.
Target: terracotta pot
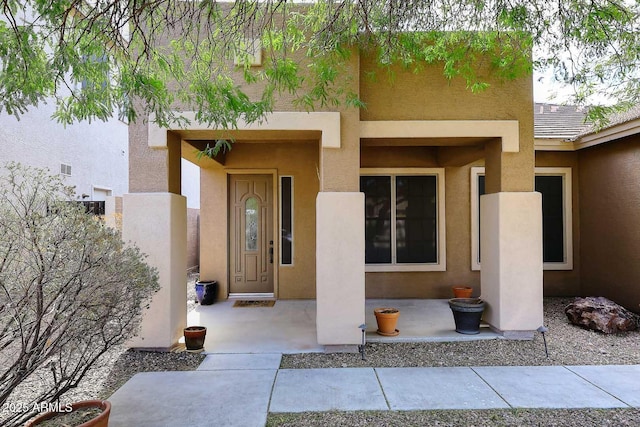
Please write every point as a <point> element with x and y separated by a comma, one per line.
<point>101,420</point>
<point>194,337</point>
<point>462,291</point>
<point>387,319</point>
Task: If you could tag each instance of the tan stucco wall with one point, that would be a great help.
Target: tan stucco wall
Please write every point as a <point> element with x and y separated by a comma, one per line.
<point>297,159</point>
<point>193,237</point>
<point>340,278</point>
<point>153,170</point>
<point>512,262</point>
<point>565,283</point>
<point>432,284</point>
<point>164,240</point>
<point>610,221</point>
<point>429,96</point>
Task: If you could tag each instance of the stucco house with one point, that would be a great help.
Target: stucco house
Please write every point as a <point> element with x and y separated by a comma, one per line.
<point>427,187</point>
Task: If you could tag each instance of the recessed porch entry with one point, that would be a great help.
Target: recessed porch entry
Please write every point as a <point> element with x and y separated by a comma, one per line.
<point>251,235</point>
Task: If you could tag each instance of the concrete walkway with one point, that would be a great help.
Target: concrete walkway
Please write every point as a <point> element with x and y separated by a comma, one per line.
<point>240,389</point>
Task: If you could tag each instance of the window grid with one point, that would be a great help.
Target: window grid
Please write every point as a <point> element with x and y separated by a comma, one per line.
<point>440,240</point>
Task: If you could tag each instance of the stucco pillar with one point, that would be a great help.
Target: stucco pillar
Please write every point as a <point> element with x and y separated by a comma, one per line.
<point>157,224</point>
<point>214,226</point>
<point>113,212</point>
<point>511,273</point>
<point>339,267</point>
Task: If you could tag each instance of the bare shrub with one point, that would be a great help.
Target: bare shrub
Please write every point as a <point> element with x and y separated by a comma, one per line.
<point>70,290</point>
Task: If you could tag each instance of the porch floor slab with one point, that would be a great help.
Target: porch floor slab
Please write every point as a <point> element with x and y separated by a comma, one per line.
<point>290,325</point>
<point>287,327</point>
<point>546,387</point>
<point>421,320</point>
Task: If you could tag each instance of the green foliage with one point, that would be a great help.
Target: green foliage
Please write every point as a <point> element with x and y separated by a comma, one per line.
<point>70,289</point>
<point>172,55</point>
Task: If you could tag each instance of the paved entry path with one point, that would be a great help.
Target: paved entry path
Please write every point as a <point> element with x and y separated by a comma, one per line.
<point>240,389</point>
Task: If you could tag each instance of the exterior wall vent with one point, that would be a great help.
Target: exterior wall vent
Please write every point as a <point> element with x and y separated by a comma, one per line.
<point>65,169</point>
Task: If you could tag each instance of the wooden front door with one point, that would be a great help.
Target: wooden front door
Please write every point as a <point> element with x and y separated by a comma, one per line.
<point>251,234</point>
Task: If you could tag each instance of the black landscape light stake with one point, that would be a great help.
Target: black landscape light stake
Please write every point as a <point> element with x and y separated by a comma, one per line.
<point>542,330</point>
<point>363,328</point>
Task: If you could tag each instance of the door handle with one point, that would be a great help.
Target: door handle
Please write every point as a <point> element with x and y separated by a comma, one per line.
<point>271,251</point>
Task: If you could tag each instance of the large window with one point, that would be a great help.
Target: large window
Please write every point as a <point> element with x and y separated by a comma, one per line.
<point>554,183</point>
<point>404,219</point>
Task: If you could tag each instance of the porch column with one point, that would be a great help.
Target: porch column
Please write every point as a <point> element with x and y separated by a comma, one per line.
<point>511,272</point>
<point>339,267</point>
<point>511,237</point>
<point>340,278</point>
<point>157,224</point>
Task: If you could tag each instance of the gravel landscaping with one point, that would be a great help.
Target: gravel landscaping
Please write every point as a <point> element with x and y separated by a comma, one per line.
<point>567,344</point>
<point>458,418</point>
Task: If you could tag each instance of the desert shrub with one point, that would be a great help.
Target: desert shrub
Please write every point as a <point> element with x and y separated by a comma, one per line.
<point>70,290</point>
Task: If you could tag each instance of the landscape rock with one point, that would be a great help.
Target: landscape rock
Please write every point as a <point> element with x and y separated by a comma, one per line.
<point>601,314</point>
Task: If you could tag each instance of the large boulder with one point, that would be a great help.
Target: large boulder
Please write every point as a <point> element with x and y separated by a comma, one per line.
<point>601,314</point>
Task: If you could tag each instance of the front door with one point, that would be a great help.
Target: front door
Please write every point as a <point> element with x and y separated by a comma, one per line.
<point>251,234</point>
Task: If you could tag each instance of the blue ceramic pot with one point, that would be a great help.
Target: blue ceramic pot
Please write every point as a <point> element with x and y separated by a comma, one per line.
<point>199,292</point>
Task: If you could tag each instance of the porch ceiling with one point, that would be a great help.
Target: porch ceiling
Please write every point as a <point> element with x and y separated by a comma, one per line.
<point>190,147</point>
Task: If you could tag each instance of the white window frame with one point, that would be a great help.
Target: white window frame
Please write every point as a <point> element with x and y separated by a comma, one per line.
<point>567,191</point>
<point>439,173</point>
<point>280,219</point>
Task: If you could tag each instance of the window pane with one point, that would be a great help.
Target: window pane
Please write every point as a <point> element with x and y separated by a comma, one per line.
<point>251,224</point>
<point>416,224</point>
<point>377,216</point>
<point>552,217</point>
<point>481,191</point>
<point>286,241</point>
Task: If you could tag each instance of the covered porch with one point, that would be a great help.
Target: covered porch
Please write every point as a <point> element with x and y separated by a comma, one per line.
<point>511,275</point>
<point>290,325</point>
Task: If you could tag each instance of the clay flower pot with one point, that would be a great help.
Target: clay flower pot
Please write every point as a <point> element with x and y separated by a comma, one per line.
<point>387,319</point>
<point>101,420</point>
<point>194,338</point>
<point>462,291</point>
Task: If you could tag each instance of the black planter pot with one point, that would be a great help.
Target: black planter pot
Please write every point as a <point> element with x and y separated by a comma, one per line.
<point>467,313</point>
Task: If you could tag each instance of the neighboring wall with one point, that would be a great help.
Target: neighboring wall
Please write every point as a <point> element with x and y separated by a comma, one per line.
<point>97,152</point>
<point>610,221</point>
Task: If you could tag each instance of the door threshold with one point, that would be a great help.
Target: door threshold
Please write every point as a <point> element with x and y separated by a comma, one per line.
<point>252,295</point>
